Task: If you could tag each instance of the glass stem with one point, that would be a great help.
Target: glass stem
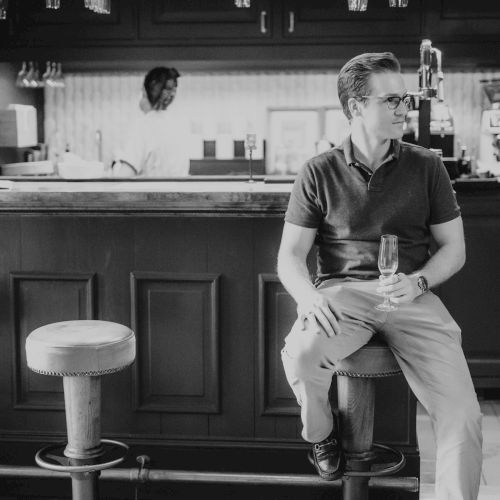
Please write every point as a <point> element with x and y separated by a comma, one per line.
<point>387,302</point>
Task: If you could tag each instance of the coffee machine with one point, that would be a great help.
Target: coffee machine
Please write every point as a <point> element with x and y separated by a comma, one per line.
<point>430,64</point>
<point>489,142</point>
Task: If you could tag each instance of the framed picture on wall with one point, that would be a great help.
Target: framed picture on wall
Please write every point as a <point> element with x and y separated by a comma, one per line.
<point>297,134</point>
<point>292,136</point>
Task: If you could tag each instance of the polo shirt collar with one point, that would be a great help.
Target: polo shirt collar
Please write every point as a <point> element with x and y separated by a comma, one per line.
<point>394,150</point>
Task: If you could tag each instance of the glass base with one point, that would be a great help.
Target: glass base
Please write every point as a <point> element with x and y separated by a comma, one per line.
<point>385,307</point>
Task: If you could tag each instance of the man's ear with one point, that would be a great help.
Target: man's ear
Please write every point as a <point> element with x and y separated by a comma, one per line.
<point>354,106</point>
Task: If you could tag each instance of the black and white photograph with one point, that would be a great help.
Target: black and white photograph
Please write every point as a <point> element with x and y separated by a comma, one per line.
<point>249,249</point>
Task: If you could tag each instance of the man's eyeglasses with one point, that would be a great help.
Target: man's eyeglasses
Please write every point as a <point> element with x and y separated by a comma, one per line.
<point>393,101</point>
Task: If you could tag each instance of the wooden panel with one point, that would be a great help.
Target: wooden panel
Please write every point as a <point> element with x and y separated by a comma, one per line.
<point>230,253</point>
<point>176,321</point>
<point>277,312</point>
<point>37,300</point>
<point>110,255</point>
<point>472,299</point>
<point>459,20</point>
<point>72,22</point>
<point>198,19</point>
<point>326,19</point>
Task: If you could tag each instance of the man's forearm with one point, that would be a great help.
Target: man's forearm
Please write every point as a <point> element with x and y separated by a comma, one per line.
<point>294,275</point>
<point>447,261</point>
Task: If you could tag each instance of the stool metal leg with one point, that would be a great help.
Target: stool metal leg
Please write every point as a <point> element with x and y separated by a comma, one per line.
<point>356,403</point>
<point>84,485</point>
<point>82,397</point>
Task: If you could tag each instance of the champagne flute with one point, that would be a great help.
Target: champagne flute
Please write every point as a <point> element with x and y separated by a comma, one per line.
<point>388,265</point>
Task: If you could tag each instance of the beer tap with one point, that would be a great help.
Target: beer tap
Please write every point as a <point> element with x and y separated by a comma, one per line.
<point>427,90</point>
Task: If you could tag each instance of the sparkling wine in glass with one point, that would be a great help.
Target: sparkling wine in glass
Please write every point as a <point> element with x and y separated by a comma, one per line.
<point>387,265</point>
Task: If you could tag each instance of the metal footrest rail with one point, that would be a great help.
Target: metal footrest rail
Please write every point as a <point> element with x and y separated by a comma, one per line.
<point>144,475</point>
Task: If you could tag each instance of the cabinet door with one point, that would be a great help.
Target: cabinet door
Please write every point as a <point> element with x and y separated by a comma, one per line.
<point>197,19</point>
<point>35,24</point>
<point>461,20</point>
<point>331,19</point>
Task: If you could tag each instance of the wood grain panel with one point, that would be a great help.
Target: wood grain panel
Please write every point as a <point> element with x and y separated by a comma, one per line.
<point>39,299</point>
<point>324,19</point>
<point>72,22</point>
<point>229,252</point>
<point>459,20</point>
<point>197,19</point>
<point>176,320</point>
<point>277,312</point>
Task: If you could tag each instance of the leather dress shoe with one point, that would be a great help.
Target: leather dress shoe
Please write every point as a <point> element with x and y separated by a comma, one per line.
<point>328,457</point>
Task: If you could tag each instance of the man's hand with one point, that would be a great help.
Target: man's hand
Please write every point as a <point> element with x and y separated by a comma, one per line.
<point>320,312</point>
<point>401,289</point>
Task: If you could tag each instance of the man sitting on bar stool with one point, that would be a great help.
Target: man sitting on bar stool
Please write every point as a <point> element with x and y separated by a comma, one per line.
<point>344,200</point>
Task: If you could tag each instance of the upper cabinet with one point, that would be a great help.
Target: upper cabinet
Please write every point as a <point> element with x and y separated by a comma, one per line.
<point>279,33</point>
<point>196,20</point>
<point>322,20</point>
<point>33,25</point>
<point>463,20</point>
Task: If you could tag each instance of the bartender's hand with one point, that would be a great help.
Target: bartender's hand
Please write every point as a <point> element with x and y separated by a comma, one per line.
<point>319,312</point>
<point>402,289</point>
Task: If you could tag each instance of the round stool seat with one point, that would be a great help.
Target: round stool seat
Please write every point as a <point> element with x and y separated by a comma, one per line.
<point>80,348</point>
<point>374,359</point>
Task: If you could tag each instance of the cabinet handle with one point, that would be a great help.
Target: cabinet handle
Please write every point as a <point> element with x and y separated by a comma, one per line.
<point>291,21</point>
<point>263,16</point>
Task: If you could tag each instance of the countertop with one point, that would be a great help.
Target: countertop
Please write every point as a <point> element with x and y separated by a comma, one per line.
<point>190,196</point>
<point>176,196</point>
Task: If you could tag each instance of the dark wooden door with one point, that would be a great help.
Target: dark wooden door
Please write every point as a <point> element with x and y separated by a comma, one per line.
<point>331,19</point>
<point>461,20</point>
<point>34,25</point>
<point>196,20</point>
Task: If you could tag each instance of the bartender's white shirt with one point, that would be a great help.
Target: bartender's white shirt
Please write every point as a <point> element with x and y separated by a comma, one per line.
<point>157,145</point>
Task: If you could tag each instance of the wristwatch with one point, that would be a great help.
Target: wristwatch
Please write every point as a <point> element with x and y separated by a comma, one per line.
<point>422,284</point>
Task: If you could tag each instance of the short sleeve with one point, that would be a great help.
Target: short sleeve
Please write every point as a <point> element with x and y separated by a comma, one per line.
<point>443,203</point>
<point>303,208</point>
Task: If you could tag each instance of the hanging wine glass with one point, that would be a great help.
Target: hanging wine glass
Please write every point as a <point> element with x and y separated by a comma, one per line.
<point>99,6</point>
<point>53,4</point>
<point>21,75</point>
<point>3,9</point>
<point>59,78</point>
<point>35,80</point>
<point>46,77</point>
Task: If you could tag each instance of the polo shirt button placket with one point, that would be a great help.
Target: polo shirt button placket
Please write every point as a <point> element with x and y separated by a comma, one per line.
<point>373,185</point>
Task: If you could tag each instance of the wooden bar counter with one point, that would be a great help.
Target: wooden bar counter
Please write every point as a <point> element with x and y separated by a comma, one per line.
<point>191,268</point>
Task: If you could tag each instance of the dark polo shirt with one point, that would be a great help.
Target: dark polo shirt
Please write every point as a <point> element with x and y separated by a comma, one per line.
<point>351,207</point>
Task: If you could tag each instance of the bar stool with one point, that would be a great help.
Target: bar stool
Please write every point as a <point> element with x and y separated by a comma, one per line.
<point>356,404</point>
<point>81,352</point>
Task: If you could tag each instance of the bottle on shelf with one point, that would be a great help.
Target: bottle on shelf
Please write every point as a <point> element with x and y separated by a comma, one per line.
<point>464,162</point>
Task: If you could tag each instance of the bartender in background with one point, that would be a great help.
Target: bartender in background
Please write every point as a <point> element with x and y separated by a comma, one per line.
<point>155,144</point>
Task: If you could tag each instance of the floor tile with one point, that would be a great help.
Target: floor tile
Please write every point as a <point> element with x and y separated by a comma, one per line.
<point>490,476</point>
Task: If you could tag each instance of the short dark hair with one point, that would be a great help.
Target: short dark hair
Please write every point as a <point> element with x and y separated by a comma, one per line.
<point>353,77</point>
<point>156,80</point>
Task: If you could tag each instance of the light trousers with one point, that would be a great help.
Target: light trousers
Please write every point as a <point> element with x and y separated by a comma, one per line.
<point>426,342</point>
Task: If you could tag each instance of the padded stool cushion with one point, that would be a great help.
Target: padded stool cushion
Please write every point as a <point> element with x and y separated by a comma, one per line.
<point>374,359</point>
<point>80,348</point>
